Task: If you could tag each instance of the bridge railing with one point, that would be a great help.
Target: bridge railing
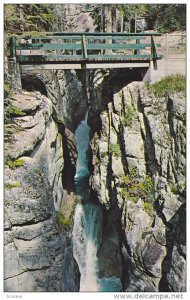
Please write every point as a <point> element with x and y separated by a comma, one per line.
<point>85,46</point>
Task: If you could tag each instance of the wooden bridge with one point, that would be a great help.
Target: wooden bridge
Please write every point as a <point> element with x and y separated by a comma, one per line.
<point>86,50</point>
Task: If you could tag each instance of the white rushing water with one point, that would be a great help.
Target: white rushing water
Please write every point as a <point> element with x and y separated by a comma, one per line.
<point>87,219</point>
<point>86,238</point>
<point>82,139</point>
<point>88,223</point>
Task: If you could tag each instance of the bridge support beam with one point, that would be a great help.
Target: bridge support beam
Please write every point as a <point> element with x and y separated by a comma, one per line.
<point>14,71</point>
<point>80,66</point>
<point>14,67</point>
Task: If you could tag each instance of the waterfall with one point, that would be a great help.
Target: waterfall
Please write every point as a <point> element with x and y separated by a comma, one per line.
<point>86,238</point>
<point>88,223</point>
<point>88,216</point>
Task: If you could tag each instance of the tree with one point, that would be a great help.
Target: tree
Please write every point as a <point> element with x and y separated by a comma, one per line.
<point>167,17</point>
<point>27,17</point>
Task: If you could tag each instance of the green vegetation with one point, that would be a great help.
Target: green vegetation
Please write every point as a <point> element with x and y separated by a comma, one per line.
<point>115,150</point>
<point>134,188</point>
<point>103,154</point>
<point>148,207</point>
<point>9,186</point>
<point>64,218</point>
<point>173,188</point>
<point>127,120</point>
<point>167,17</point>
<point>169,85</point>
<point>19,18</point>
<point>163,17</point>
<point>12,111</point>
<point>133,171</point>
<point>7,90</point>
<point>15,163</point>
<point>124,193</point>
<point>62,221</point>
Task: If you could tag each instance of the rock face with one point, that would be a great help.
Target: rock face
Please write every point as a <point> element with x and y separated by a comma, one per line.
<point>65,91</point>
<point>73,17</point>
<point>138,156</point>
<point>38,245</point>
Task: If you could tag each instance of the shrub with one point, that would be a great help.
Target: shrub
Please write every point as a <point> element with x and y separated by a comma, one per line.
<point>16,163</point>
<point>12,111</point>
<point>7,90</point>
<point>133,172</point>
<point>134,188</point>
<point>125,179</point>
<point>9,186</point>
<point>62,221</point>
<point>127,120</point>
<point>103,154</point>
<point>169,85</point>
<point>115,150</point>
<point>148,207</point>
<point>124,193</point>
<point>173,188</point>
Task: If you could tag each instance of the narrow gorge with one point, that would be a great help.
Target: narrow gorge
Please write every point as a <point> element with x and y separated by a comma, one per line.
<point>95,182</point>
<point>112,219</point>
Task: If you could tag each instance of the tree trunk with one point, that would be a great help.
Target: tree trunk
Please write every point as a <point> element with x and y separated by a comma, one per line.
<point>102,26</point>
<point>122,21</point>
<point>114,25</point>
<point>108,17</point>
<point>108,24</point>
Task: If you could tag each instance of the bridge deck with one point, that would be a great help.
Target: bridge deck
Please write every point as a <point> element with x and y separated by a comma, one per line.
<point>89,50</point>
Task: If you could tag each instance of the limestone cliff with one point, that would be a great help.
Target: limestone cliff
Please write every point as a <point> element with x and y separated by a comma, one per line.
<point>138,159</point>
<point>39,202</point>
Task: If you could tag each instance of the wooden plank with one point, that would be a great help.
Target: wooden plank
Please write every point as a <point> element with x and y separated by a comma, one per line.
<point>153,49</point>
<point>66,37</point>
<point>112,65</point>
<point>115,37</point>
<point>23,58</point>
<point>68,46</point>
<point>55,66</point>
<point>84,46</point>
<point>105,33</point>
<point>124,56</point>
<point>12,44</point>
<point>54,58</point>
<point>117,46</point>
<point>137,49</point>
<point>73,46</point>
<point>87,38</point>
<point>75,66</point>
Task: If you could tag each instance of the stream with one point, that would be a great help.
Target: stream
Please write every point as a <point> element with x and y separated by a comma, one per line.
<point>87,227</point>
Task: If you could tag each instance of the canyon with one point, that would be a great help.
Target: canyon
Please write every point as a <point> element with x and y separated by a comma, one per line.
<point>95,182</point>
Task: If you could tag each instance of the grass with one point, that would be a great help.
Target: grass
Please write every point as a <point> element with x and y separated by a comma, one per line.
<point>115,150</point>
<point>9,186</point>
<point>7,90</point>
<point>148,208</point>
<point>133,188</point>
<point>169,85</point>
<point>15,163</point>
<point>127,120</point>
<point>173,188</point>
<point>103,154</point>
<point>12,111</point>
<point>62,221</point>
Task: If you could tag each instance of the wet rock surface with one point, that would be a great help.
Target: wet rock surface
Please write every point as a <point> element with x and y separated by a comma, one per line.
<point>142,139</point>
<point>38,248</point>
